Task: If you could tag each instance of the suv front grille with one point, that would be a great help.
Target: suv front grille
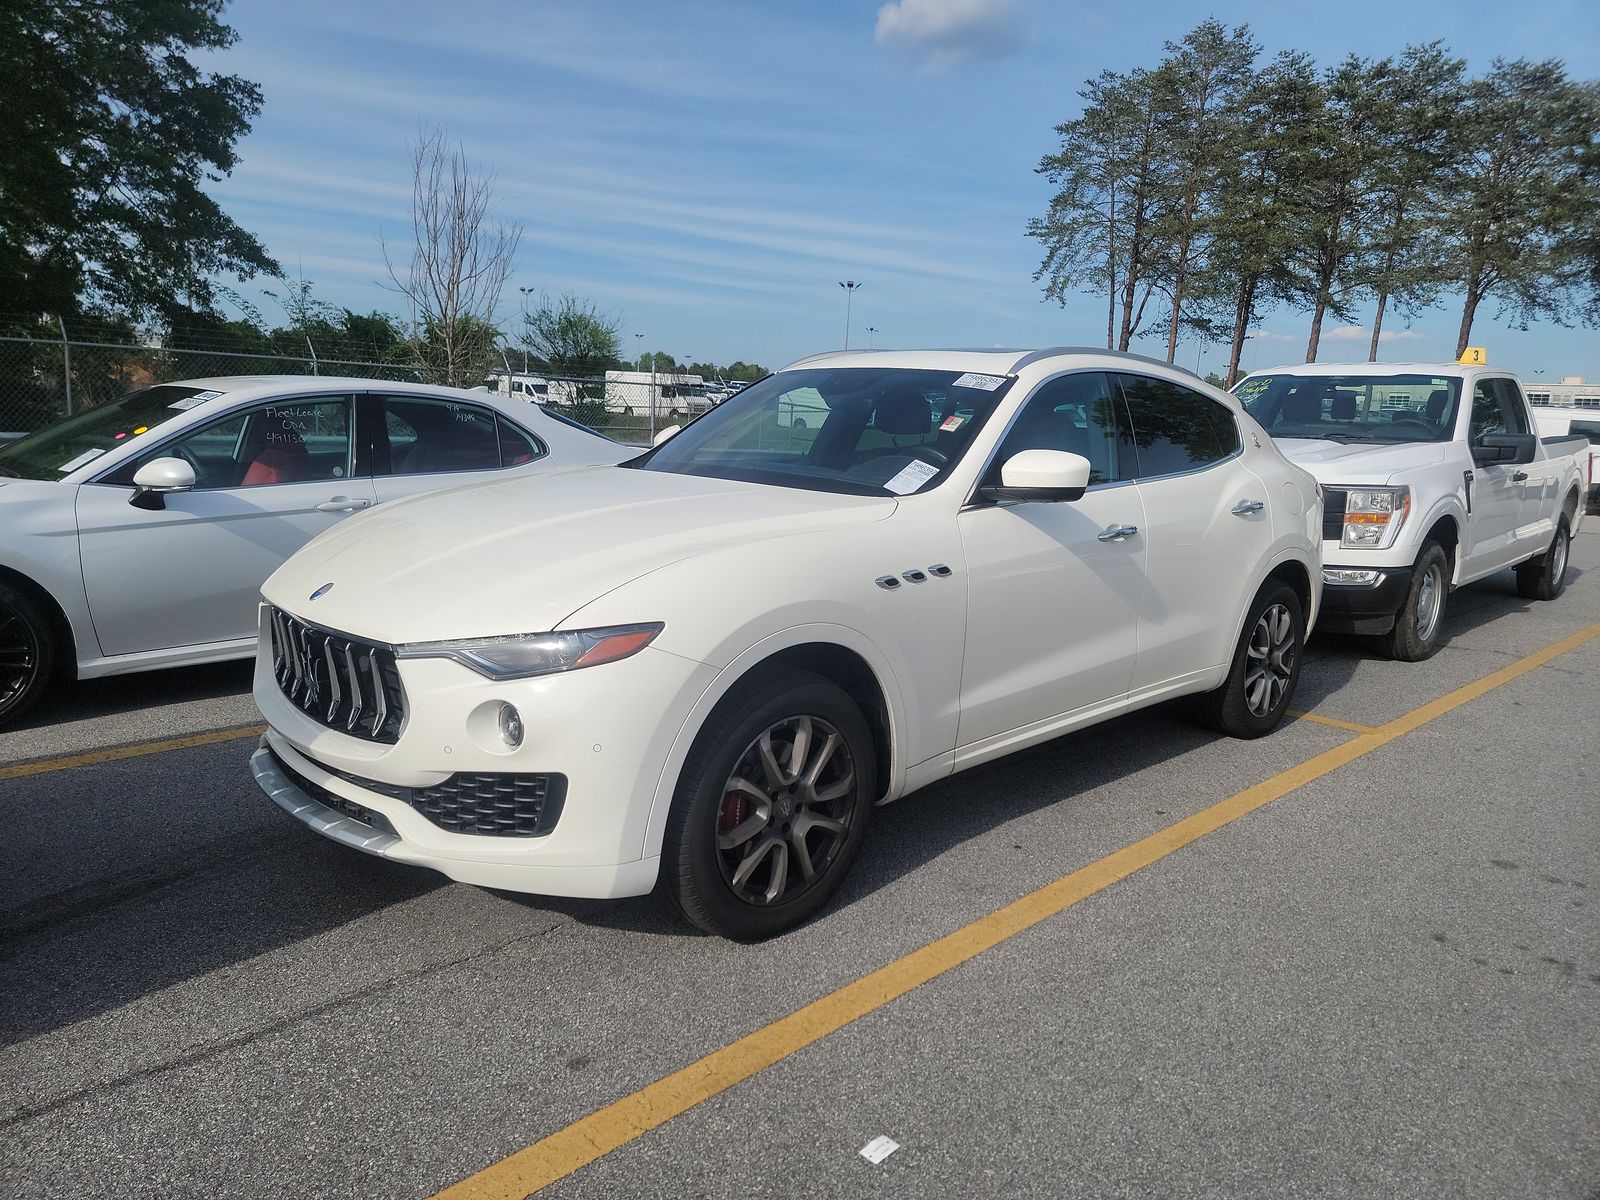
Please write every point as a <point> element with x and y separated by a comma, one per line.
<point>1333,502</point>
<point>337,681</point>
<point>488,805</point>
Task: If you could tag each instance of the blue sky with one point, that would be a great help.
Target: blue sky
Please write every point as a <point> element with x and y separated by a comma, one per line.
<point>708,172</point>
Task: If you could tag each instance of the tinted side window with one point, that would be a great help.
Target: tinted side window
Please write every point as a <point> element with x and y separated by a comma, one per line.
<point>1174,428</point>
<point>284,441</point>
<point>1487,415</point>
<point>434,436</point>
<point>517,446</point>
<point>1078,414</point>
<point>1512,411</point>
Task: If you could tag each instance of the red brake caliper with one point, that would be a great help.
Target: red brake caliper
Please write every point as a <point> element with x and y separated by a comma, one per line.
<point>735,808</point>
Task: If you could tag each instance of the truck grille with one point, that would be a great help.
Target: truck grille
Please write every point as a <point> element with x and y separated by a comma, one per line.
<point>1333,502</point>
<point>337,681</point>
<point>488,805</point>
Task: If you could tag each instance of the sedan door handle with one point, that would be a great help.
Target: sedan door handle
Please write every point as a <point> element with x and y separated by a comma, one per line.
<point>342,504</point>
<point>1518,476</point>
<point>1246,508</point>
<point>1117,532</point>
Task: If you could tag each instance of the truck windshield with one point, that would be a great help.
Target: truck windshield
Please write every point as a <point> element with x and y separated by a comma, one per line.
<point>867,431</point>
<point>1354,408</point>
<point>67,445</point>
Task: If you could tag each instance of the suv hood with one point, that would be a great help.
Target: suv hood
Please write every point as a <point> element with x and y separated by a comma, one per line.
<point>1359,462</point>
<point>520,555</point>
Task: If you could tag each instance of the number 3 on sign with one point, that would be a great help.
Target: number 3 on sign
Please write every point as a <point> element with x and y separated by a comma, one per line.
<point>1473,356</point>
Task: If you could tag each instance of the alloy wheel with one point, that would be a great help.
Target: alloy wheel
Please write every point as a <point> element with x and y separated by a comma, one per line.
<point>19,657</point>
<point>785,810</point>
<point>1269,661</point>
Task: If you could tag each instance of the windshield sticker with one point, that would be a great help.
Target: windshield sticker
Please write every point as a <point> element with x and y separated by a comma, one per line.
<point>984,383</point>
<point>189,402</point>
<point>87,456</point>
<point>952,423</point>
<point>912,477</point>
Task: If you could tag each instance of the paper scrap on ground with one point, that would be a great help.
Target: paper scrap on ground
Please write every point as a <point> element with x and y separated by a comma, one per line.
<point>86,456</point>
<point>879,1148</point>
<point>985,383</point>
<point>912,477</point>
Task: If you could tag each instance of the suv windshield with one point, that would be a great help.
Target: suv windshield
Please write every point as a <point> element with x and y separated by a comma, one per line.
<point>1354,408</point>
<point>868,431</point>
<point>67,445</point>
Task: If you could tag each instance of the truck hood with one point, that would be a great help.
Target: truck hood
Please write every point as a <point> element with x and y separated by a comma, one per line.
<point>1360,462</point>
<point>520,555</point>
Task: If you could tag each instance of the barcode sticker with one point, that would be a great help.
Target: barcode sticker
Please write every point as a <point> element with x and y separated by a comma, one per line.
<point>912,477</point>
<point>984,383</point>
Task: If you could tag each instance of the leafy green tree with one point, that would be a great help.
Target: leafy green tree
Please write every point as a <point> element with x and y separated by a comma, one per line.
<point>1518,204</point>
<point>1415,136</point>
<point>570,336</point>
<point>745,372</point>
<point>1338,195</point>
<point>1205,76</point>
<point>1102,227</point>
<point>108,132</point>
<point>1261,200</point>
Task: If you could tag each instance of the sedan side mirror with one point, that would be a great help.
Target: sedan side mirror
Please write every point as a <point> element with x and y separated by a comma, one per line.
<point>1047,475</point>
<point>1514,449</point>
<point>665,434</point>
<point>156,478</point>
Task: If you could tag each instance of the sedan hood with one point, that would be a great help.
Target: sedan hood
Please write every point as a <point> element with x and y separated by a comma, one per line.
<point>1360,462</point>
<point>520,555</point>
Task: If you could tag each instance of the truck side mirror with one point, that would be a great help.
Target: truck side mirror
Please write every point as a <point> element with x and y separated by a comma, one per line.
<point>1504,449</point>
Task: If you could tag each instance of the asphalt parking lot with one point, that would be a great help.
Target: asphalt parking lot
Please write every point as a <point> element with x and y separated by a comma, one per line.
<point>1358,958</point>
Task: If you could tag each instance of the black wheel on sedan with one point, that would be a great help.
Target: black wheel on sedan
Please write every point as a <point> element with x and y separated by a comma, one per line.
<point>1266,667</point>
<point>772,806</point>
<point>27,653</point>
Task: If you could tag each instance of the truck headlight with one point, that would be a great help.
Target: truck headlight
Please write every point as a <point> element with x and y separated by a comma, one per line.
<point>1373,516</point>
<point>521,656</point>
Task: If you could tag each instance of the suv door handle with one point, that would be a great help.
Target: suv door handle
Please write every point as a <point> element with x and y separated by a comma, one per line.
<point>1117,532</point>
<point>1247,508</point>
<point>1518,476</point>
<point>342,504</point>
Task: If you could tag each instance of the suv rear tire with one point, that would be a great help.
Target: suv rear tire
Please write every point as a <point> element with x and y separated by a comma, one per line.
<point>1266,667</point>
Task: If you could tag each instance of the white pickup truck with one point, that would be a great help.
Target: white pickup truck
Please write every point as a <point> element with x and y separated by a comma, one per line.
<point>1433,476</point>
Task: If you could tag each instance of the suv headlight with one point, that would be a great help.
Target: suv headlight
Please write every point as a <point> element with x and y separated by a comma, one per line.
<point>1373,516</point>
<point>523,655</point>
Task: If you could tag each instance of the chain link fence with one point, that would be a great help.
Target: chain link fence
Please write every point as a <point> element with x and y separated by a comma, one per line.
<point>43,380</point>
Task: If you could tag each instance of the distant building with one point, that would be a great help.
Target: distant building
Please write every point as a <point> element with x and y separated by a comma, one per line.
<point>1571,392</point>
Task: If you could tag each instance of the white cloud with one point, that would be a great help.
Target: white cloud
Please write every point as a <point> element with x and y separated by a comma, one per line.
<point>1267,335</point>
<point>944,32</point>
<point>1360,333</point>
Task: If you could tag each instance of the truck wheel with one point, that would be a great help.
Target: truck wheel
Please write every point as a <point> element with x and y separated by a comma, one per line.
<point>27,652</point>
<point>1266,667</point>
<point>1545,577</point>
<point>772,806</point>
<point>1420,621</point>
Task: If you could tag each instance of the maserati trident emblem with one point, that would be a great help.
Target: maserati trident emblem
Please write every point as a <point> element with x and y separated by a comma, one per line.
<point>322,591</point>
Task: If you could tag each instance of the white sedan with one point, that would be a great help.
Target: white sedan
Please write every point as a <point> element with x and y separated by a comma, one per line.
<point>136,534</point>
<point>706,666</point>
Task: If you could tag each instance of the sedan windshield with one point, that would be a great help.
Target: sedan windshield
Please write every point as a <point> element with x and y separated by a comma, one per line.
<point>868,431</point>
<point>67,445</point>
<point>1354,408</point>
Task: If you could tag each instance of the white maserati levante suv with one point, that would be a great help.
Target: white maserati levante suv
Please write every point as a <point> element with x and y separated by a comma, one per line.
<point>704,667</point>
<point>136,534</point>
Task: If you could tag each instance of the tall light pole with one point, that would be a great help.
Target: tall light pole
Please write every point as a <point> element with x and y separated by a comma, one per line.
<point>871,330</point>
<point>638,344</point>
<point>849,286</point>
<point>526,292</point>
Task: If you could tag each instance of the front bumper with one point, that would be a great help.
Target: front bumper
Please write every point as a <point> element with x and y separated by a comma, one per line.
<point>608,731</point>
<point>1367,607</point>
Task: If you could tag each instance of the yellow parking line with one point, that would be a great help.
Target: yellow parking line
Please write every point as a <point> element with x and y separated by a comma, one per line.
<point>1334,721</point>
<point>89,758</point>
<point>596,1135</point>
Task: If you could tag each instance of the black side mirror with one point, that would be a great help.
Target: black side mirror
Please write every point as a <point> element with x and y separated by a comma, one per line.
<point>1504,449</point>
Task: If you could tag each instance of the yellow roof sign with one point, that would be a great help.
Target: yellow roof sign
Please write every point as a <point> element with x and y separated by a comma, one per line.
<point>1473,356</point>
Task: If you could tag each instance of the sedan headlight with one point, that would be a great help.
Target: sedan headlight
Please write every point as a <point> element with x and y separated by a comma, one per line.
<point>1373,516</point>
<point>522,655</point>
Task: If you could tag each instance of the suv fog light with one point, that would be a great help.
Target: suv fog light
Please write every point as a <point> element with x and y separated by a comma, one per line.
<point>510,726</point>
